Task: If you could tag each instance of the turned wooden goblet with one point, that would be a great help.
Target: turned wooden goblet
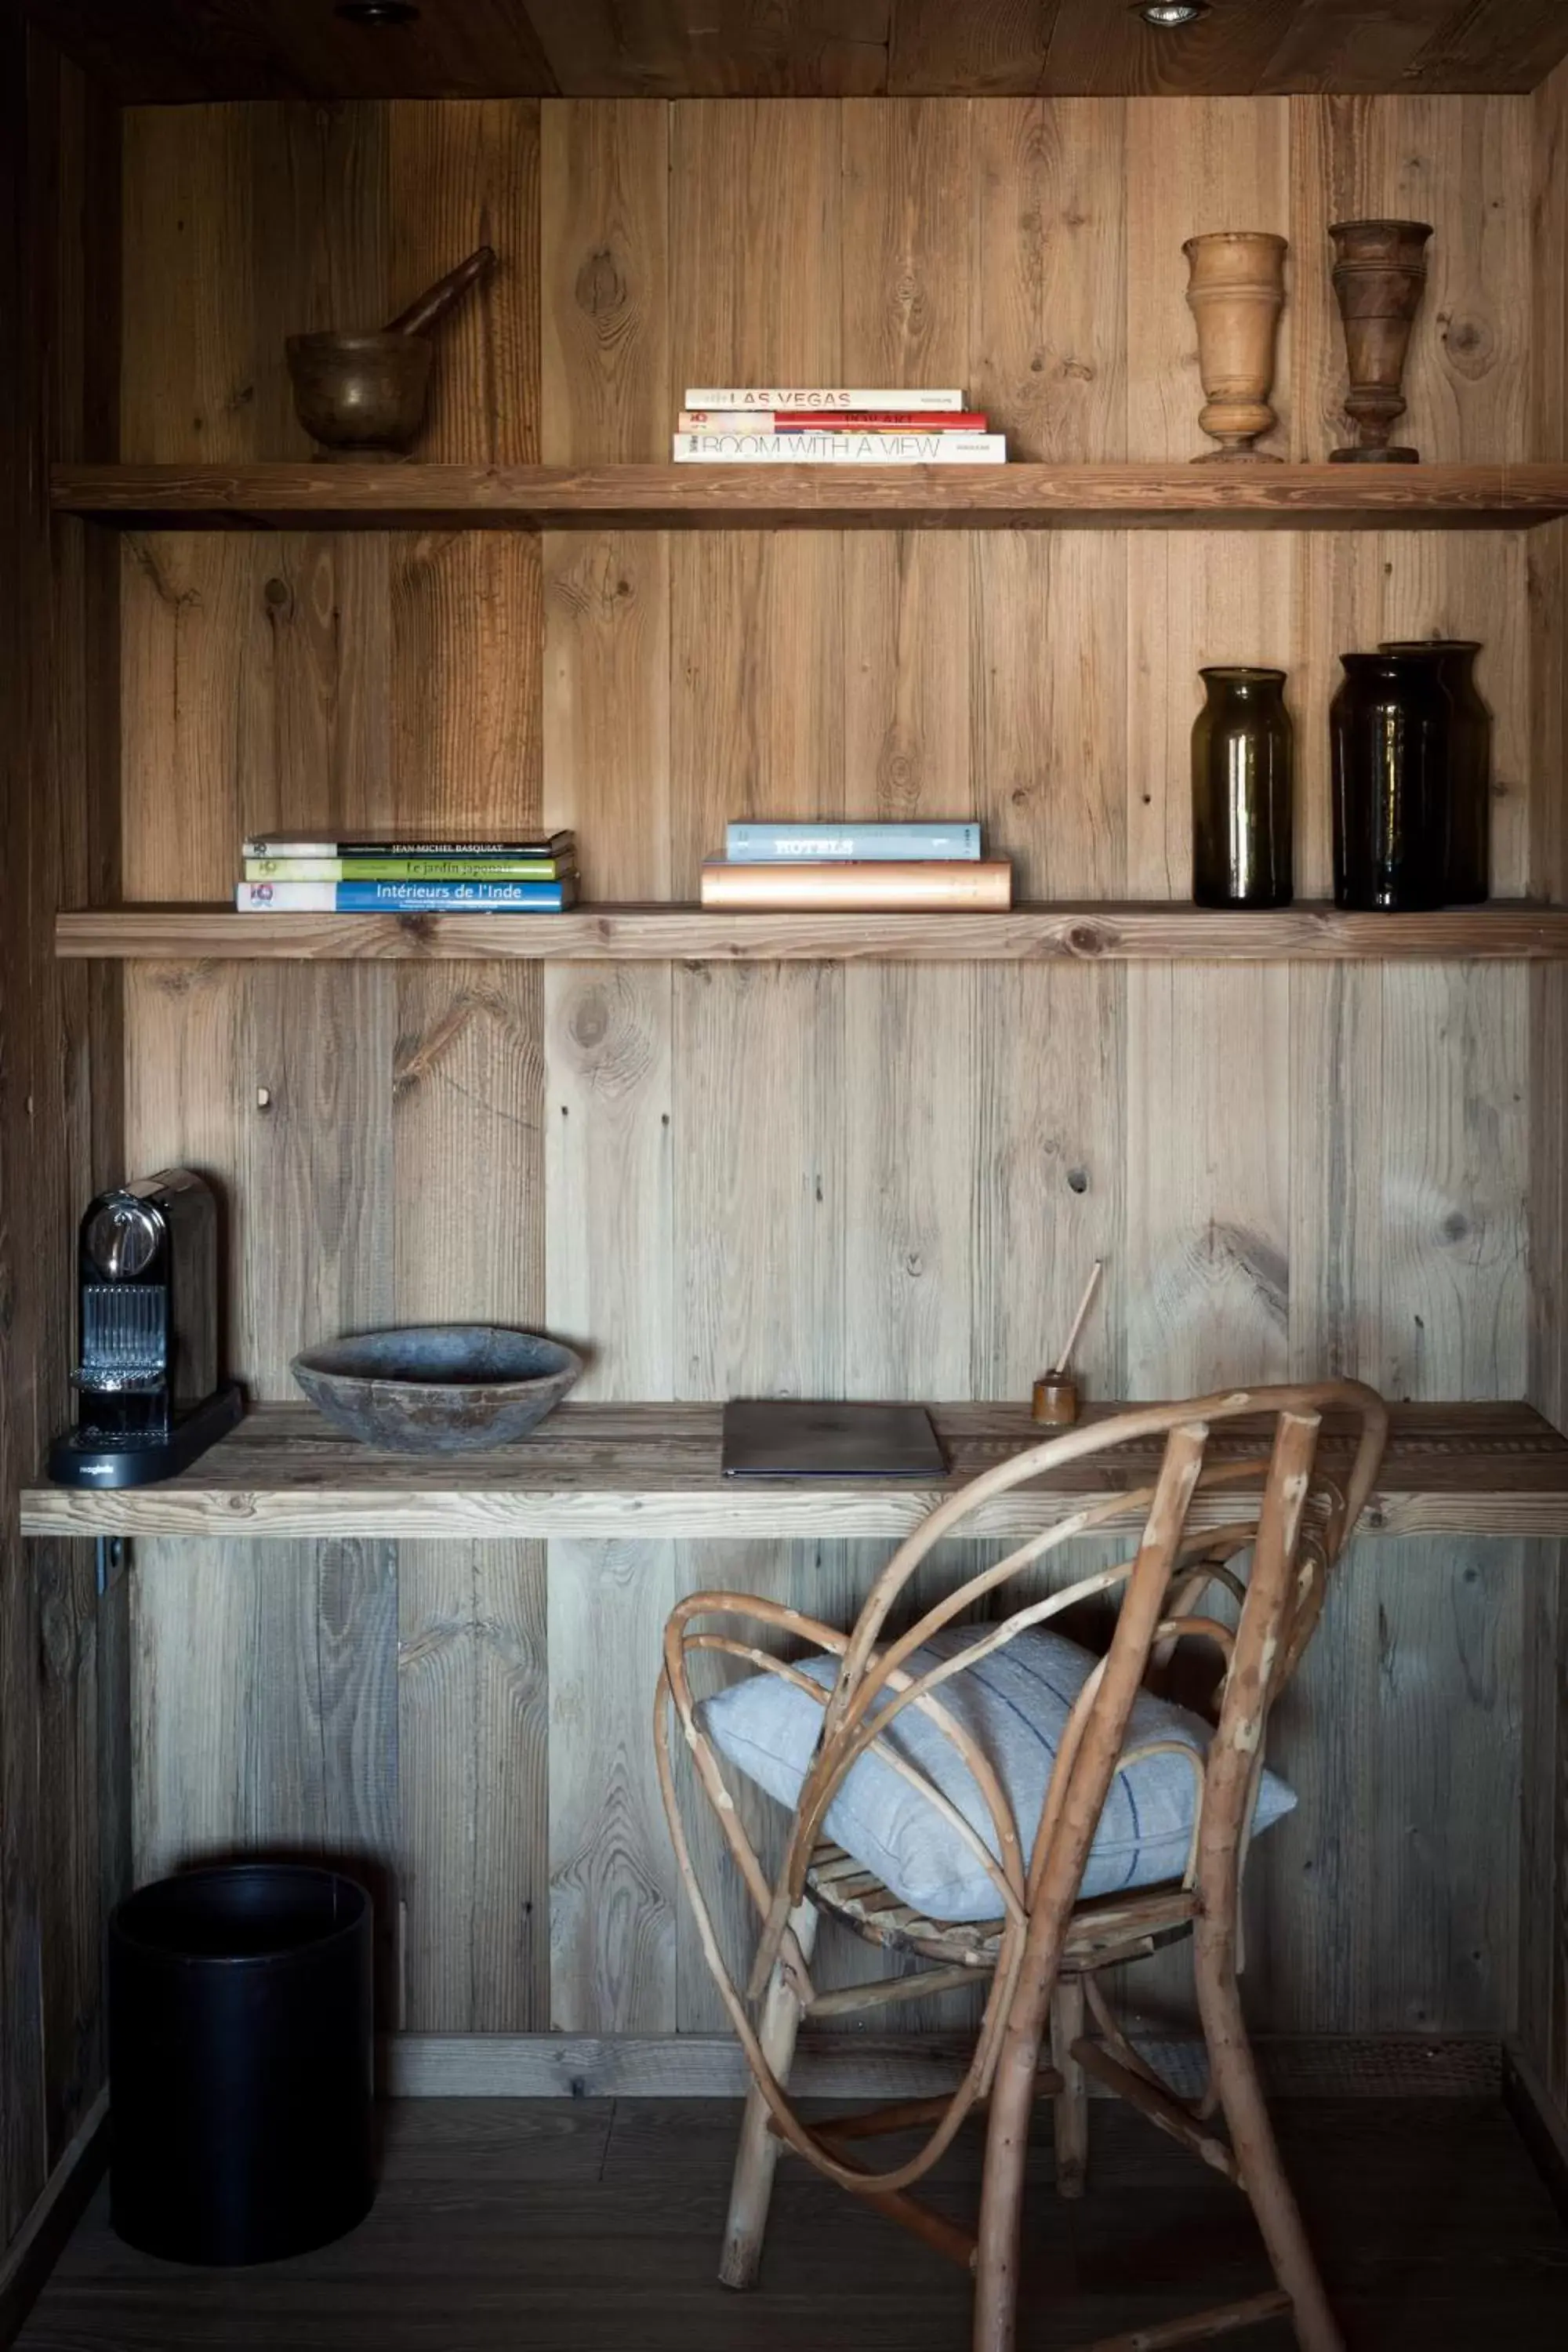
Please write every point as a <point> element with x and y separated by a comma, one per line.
<point>1380,270</point>
<point>1236,288</point>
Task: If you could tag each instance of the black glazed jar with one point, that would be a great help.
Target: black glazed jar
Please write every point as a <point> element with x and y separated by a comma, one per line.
<point>1243,767</point>
<point>1467,864</point>
<point>1388,746</point>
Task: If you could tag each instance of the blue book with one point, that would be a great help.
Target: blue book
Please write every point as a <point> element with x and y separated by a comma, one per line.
<point>850,842</point>
<point>406,897</point>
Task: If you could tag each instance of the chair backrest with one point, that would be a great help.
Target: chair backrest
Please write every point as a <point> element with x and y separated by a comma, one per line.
<point>1205,1506</point>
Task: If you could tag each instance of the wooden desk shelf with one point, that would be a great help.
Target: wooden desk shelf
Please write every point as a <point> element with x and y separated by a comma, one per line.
<point>1177,497</point>
<point>1512,930</point>
<point>652,1470</point>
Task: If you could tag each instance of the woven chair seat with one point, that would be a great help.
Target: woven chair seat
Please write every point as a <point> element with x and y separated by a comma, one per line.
<point>1111,1927</point>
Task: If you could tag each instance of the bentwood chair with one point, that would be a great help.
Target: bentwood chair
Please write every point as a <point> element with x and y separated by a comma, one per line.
<point>1251,1516</point>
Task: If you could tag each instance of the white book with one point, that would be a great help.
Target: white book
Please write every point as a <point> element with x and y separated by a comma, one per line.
<point>822,398</point>
<point>840,449</point>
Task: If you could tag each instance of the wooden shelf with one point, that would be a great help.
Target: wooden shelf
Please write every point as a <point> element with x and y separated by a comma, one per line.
<point>1508,930</point>
<point>660,497</point>
<point>620,1470</point>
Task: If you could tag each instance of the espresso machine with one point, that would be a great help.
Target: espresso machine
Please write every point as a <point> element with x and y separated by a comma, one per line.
<point>149,1398</point>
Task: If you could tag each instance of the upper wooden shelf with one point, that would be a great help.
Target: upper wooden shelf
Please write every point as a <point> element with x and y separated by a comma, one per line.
<point>527,497</point>
<point>1510,930</point>
<point>609,1470</point>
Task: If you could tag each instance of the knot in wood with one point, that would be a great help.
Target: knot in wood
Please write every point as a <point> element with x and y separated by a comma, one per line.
<point>601,288</point>
<point>590,1019</point>
<point>1086,939</point>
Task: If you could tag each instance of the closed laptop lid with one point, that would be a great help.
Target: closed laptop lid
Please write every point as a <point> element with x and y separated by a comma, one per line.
<point>800,1437</point>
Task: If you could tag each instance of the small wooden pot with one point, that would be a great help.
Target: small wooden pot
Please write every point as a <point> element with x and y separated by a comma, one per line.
<point>1380,274</point>
<point>1056,1401</point>
<point>1235,289</point>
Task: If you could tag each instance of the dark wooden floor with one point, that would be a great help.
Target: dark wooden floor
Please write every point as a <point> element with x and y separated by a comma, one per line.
<point>593,2226</point>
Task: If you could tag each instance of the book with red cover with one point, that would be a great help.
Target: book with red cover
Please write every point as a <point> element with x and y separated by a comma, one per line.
<point>837,420</point>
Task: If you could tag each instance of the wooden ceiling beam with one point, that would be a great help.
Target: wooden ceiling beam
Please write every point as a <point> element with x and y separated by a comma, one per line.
<point>150,51</point>
<point>716,48</point>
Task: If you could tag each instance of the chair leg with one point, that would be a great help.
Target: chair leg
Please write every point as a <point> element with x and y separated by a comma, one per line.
<point>1070,2104</point>
<point>1252,2137</point>
<point>1002,2189</point>
<point>752,2186</point>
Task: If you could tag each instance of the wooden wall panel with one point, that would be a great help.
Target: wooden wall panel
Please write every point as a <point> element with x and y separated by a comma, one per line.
<point>840,1179</point>
<point>60,1826</point>
<point>303,680</point>
<point>1544,1860</point>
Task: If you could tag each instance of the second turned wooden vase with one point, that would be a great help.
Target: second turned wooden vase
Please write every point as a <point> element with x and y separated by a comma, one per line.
<point>1380,274</point>
<point>1236,288</point>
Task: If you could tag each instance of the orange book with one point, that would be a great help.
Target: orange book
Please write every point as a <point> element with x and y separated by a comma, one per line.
<point>885,888</point>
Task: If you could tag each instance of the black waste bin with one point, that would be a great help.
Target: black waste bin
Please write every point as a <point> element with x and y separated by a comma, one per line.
<point>241,2059</point>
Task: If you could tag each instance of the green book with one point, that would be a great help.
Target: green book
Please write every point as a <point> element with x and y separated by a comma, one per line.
<point>408,869</point>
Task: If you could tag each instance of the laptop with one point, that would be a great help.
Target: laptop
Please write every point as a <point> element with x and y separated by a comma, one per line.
<point>797,1437</point>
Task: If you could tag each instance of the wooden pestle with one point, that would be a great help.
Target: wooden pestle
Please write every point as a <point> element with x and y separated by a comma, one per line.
<point>432,306</point>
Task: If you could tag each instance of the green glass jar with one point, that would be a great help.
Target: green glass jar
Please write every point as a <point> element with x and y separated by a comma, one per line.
<point>1388,750</point>
<point>1243,767</point>
<point>1467,858</point>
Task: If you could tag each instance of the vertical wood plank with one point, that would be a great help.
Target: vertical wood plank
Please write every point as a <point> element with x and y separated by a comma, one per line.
<point>1049,1130</point>
<point>1048,337</point>
<point>605,395</point>
<point>1049,355</point>
<point>758,640</point>
<point>605,263</point>
<point>187,273</point>
<point>1544,1856</point>
<point>473,1788</point>
<point>610,1265</point>
<point>616,1912</point>
<point>60,1111</point>
<point>468,1082</point>
<point>1401,1742</point>
<point>906,724</point>
<point>1207,1083</point>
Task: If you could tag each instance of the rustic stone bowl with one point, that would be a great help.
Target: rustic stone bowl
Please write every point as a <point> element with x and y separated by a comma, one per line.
<point>438,1388</point>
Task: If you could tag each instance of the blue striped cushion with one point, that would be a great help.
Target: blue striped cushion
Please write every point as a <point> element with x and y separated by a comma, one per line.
<point>1015,1705</point>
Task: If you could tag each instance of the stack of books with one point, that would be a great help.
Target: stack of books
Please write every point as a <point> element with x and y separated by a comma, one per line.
<point>860,868</point>
<point>827,428</point>
<point>382,875</point>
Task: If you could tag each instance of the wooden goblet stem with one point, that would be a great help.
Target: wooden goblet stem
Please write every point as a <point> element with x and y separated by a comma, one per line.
<point>1380,273</point>
<point>1236,289</point>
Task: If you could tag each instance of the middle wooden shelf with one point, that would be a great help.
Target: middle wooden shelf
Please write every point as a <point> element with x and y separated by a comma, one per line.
<point>602,1470</point>
<point>1507,930</point>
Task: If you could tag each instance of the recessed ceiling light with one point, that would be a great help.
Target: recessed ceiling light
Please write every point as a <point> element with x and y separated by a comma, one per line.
<point>1167,16</point>
<point>376,12</point>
